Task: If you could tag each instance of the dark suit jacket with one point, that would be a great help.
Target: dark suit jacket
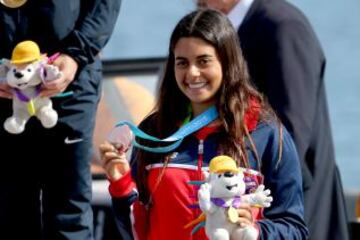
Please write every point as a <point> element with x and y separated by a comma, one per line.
<point>287,64</point>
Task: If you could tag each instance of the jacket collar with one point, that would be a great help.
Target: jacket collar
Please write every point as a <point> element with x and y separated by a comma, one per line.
<point>251,119</point>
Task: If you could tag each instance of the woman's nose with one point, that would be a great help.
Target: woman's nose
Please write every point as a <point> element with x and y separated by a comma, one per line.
<point>193,71</point>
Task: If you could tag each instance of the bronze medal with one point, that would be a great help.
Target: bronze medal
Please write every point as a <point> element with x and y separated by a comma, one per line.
<point>232,215</point>
<point>13,3</point>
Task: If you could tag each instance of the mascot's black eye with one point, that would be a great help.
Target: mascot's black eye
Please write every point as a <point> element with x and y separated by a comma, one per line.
<point>219,176</point>
<point>228,174</point>
<point>14,70</point>
<point>29,69</point>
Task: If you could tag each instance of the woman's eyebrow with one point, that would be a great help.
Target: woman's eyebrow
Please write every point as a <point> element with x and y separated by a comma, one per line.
<point>205,56</point>
<point>180,58</point>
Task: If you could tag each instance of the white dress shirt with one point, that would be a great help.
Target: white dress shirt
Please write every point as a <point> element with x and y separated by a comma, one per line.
<point>238,13</point>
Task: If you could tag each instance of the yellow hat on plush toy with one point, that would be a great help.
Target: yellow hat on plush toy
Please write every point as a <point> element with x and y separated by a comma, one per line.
<point>223,164</point>
<point>24,52</point>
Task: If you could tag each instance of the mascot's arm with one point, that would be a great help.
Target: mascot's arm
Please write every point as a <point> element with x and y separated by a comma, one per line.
<point>5,90</point>
<point>259,198</point>
<point>3,70</point>
<point>204,199</point>
<point>51,72</point>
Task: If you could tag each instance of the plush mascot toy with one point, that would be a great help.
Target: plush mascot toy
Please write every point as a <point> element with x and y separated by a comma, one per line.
<point>221,195</point>
<point>25,73</point>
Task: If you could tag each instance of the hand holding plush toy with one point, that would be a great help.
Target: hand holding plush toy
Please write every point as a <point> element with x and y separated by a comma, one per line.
<point>221,195</point>
<point>24,73</point>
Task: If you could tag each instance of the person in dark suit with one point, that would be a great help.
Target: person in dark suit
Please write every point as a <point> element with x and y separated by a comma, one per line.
<point>45,180</point>
<point>287,65</point>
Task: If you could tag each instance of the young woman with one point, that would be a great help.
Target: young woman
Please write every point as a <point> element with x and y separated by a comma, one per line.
<point>205,69</point>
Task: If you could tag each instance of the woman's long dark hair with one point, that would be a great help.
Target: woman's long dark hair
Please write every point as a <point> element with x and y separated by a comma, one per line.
<point>233,97</point>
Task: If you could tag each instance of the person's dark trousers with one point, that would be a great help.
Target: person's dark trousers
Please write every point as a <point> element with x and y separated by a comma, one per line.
<point>48,171</point>
<point>45,180</point>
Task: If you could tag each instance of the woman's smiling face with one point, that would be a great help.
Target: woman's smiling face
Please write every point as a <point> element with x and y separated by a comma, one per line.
<point>198,72</point>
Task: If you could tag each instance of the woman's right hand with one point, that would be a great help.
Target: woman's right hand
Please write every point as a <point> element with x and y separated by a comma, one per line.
<point>113,161</point>
<point>5,90</point>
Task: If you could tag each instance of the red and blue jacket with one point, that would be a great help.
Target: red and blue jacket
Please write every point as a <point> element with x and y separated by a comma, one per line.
<point>173,195</point>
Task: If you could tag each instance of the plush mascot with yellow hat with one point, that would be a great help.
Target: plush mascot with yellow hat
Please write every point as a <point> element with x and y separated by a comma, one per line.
<point>221,195</point>
<point>24,73</point>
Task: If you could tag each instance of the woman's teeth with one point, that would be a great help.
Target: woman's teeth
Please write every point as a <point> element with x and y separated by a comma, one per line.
<point>197,85</point>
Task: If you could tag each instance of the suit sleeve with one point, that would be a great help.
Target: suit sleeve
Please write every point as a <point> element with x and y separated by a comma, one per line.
<point>92,31</point>
<point>295,72</point>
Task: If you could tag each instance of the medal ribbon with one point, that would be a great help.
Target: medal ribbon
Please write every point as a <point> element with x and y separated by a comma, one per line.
<point>197,123</point>
<point>29,101</point>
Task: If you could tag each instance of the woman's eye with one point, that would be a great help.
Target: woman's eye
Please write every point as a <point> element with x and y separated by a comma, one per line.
<point>204,61</point>
<point>181,63</point>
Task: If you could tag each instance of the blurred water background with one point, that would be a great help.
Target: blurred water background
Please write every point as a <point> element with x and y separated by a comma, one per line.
<point>144,26</point>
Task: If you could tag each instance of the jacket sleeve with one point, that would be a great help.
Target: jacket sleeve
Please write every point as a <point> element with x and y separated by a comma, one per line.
<point>284,219</point>
<point>122,212</point>
<point>92,30</point>
<point>130,214</point>
<point>296,66</point>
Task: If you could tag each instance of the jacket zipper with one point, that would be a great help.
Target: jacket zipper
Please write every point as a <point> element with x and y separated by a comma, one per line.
<point>200,158</point>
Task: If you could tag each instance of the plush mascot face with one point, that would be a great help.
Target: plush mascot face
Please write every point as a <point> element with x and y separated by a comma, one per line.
<point>22,70</point>
<point>227,184</point>
<point>23,76</point>
<point>225,178</point>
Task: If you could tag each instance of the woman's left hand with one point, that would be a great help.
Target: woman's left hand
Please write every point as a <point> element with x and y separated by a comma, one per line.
<point>245,215</point>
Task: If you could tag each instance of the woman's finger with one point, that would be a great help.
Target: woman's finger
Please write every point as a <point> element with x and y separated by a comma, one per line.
<point>106,147</point>
<point>244,222</point>
<point>110,156</point>
<point>245,214</point>
<point>116,168</point>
